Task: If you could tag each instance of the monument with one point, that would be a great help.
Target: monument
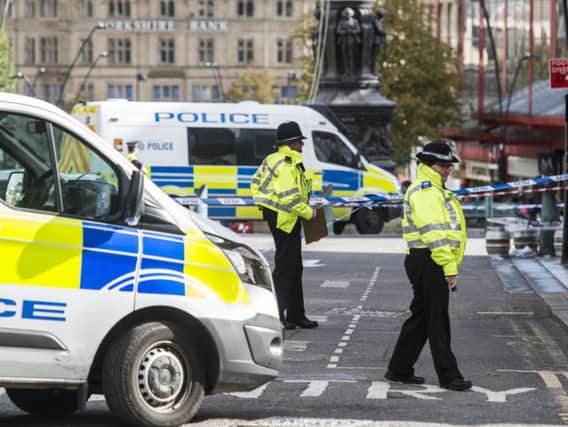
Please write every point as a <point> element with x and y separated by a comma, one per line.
<point>350,81</point>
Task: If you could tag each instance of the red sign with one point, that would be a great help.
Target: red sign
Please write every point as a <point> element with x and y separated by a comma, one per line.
<point>559,73</point>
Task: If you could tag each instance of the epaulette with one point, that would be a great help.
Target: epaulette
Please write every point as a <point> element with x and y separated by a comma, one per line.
<point>288,159</point>
<point>425,184</point>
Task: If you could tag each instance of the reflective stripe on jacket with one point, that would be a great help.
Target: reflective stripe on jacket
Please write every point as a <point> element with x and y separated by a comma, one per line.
<point>281,185</point>
<point>433,218</point>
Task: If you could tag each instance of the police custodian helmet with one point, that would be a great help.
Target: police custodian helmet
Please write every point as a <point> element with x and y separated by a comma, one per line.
<point>437,151</point>
<point>288,132</point>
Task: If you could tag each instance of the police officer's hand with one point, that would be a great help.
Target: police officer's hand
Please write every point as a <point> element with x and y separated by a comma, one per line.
<point>452,281</point>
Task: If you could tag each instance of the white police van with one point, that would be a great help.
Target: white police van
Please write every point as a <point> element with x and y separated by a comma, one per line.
<point>108,286</point>
<point>220,145</point>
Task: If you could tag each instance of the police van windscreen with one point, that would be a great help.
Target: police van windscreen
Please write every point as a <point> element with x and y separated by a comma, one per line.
<point>230,146</point>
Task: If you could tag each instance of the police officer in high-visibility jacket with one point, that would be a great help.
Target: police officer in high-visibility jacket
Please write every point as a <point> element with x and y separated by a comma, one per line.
<point>434,230</point>
<point>282,190</point>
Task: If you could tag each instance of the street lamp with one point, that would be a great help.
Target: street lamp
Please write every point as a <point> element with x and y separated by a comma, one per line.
<point>98,26</point>
<point>39,71</point>
<point>218,77</point>
<point>99,56</point>
<point>501,163</point>
<point>20,76</point>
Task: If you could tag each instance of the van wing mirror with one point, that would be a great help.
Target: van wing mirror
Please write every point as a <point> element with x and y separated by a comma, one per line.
<point>15,188</point>
<point>134,199</point>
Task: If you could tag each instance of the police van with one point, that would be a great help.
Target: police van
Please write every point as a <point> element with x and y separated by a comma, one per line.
<point>108,286</point>
<point>220,145</point>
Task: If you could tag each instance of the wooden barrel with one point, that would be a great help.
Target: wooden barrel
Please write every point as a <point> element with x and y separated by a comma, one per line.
<point>497,241</point>
<point>558,242</point>
<point>522,238</point>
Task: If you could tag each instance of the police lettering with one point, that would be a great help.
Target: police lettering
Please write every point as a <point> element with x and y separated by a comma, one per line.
<point>159,146</point>
<point>33,309</point>
<point>215,118</point>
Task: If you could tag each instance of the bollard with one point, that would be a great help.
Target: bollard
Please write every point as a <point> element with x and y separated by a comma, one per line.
<point>549,214</point>
<point>558,242</point>
<point>497,241</point>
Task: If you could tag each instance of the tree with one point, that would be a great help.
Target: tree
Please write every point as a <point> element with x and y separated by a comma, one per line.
<point>421,75</point>
<point>252,85</point>
<point>7,83</point>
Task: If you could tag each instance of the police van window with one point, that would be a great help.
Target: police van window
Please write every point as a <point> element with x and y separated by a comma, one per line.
<point>330,148</point>
<point>235,147</point>
<point>89,185</point>
<point>27,175</point>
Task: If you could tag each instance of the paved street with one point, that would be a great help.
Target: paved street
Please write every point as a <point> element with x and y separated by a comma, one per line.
<point>505,338</point>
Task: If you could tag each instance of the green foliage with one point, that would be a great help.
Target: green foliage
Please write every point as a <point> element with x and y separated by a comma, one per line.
<point>420,75</point>
<point>7,83</point>
<point>251,85</point>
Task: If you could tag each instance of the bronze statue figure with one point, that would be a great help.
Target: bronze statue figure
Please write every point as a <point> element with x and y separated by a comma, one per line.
<point>348,39</point>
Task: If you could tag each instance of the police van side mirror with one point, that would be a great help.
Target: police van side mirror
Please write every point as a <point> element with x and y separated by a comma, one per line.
<point>14,188</point>
<point>134,198</point>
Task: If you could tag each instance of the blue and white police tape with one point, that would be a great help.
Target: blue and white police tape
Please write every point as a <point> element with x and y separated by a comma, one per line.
<point>377,199</point>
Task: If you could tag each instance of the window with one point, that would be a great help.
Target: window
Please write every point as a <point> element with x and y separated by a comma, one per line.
<point>284,51</point>
<point>284,8</point>
<point>88,91</point>
<point>118,8</point>
<point>87,52</point>
<point>222,146</point>
<point>29,51</point>
<point>205,93</point>
<point>119,51</point>
<point>49,50</point>
<point>51,92</point>
<point>86,8</point>
<point>289,92</point>
<point>28,168</point>
<point>30,8</point>
<point>245,51</point>
<point>167,8</point>
<point>206,50</point>
<point>119,91</point>
<point>206,9</point>
<point>165,93</point>
<point>167,51</point>
<point>245,8</point>
<point>330,148</point>
<point>89,185</point>
<point>48,8</point>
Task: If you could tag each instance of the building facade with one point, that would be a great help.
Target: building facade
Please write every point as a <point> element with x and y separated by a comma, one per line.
<point>153,50</point>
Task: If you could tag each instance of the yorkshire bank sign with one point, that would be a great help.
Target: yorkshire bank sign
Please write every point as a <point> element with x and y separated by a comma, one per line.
<point>166,26</point>
<point>558,68</point>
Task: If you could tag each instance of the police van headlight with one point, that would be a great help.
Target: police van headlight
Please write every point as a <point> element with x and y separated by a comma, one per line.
<point>251,267</point>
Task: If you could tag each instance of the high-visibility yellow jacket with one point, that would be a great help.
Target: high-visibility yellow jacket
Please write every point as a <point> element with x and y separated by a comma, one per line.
<point>433,218</point>
<point>281,185</point>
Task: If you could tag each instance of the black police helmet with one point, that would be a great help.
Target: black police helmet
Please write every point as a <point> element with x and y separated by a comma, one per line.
<point>288,132</point>
<point>437,151</point>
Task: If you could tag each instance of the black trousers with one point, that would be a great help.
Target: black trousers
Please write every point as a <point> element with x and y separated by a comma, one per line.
<point>429,320</point>
<point>288,268</point>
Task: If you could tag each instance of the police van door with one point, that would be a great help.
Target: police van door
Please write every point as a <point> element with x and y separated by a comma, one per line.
<point>67,273</point>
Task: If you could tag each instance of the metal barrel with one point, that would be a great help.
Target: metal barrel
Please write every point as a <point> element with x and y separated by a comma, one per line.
<point>558,242</point>
<point>522,238</point>
<point>497,241</point>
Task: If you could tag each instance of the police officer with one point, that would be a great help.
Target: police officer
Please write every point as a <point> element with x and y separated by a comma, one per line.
<point>132,156</point>
<point>282,190</point>
<point>434,230</point>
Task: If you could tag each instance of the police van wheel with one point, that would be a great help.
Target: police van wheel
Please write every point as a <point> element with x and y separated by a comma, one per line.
<point>152,376</point>
<point>46,403</point>
<point>369,221</point>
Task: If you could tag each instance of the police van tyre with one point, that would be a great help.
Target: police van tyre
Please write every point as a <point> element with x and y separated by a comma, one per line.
<point>369,221</point>
<point>45,403</point>
<point>152,376</point>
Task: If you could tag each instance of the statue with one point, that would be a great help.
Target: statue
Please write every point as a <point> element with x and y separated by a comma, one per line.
<point>315,32</point>
<point>348,39</point>
<point>376,143</point>
<point>379,38</point>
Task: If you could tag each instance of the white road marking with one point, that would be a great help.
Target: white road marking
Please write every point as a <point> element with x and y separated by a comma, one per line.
<point>505,313</point>
<point>336,284</point>
<point>378,390</point>
<point>501,396</point>
<point>292,345</point>
<point>310,263</point>
<point>320,319</point>
<point>253,394</point>
<point>317,387</point>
